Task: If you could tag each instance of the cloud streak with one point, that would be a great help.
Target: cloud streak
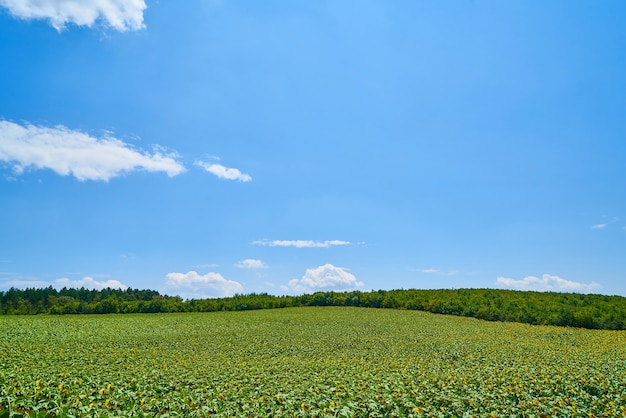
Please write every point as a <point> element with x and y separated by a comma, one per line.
<point>326,277</point>
<point>192,285</point>
<point>224,172</point>
<point>121,15</point>
<point>301,243</point>
<point>68,152</point>
<point>547,283</point>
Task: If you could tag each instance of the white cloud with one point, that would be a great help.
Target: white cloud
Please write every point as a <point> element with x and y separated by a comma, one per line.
<point>191,285</point>
<point>547,283</point>
<point>300,243</point>
<point>599,226</point>
<point>223,172</point>
<point>326,277</point>
<point>68,152</point>
<point>251,264</point>
<point>89,283</point>
<point>121,15</point>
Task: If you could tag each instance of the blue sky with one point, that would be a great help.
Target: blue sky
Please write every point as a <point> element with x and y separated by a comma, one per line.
<point>205,148</point>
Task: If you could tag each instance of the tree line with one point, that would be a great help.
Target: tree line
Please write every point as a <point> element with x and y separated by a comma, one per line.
<point>545,308</point>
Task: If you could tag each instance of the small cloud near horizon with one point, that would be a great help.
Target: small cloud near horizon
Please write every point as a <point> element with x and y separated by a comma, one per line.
<point>326,277</point>
<point>192,285</point>
<point>547,283</point>
<point>87,282</point>
<point>90,283</point>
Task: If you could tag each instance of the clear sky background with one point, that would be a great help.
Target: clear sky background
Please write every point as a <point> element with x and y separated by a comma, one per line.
<point>205,148</point>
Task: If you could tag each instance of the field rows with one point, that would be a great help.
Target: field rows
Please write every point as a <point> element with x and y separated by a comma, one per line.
<point>306,362</point>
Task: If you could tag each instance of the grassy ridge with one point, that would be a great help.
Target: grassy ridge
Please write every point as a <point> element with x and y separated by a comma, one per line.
<point>538,308</point>
<point>323,362</point>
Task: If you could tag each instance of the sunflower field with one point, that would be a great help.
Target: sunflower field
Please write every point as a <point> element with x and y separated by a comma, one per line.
<point>306,361</point>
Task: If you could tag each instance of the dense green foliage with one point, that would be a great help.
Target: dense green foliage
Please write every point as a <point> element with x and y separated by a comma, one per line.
<point>545,308</point>
<point>323,362</point>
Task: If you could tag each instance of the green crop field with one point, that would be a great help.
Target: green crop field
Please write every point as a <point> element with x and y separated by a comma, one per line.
<point>331,361</point>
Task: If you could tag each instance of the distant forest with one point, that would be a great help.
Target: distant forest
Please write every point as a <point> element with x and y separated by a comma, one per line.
<point>545,308</point>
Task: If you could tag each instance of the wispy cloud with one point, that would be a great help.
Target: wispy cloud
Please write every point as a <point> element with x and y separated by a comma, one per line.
<point>127,257</point>
<point>121,15</point>
<point>206,266</point>
<point>192,285</point>
<point>68,152</point>
<point>547,283</point>
<point>224,172</point>
<point>251,264</point>
<point>326,277</point>
<point>300,243</point>
<point>439,272</point>
<point>605,224</point>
